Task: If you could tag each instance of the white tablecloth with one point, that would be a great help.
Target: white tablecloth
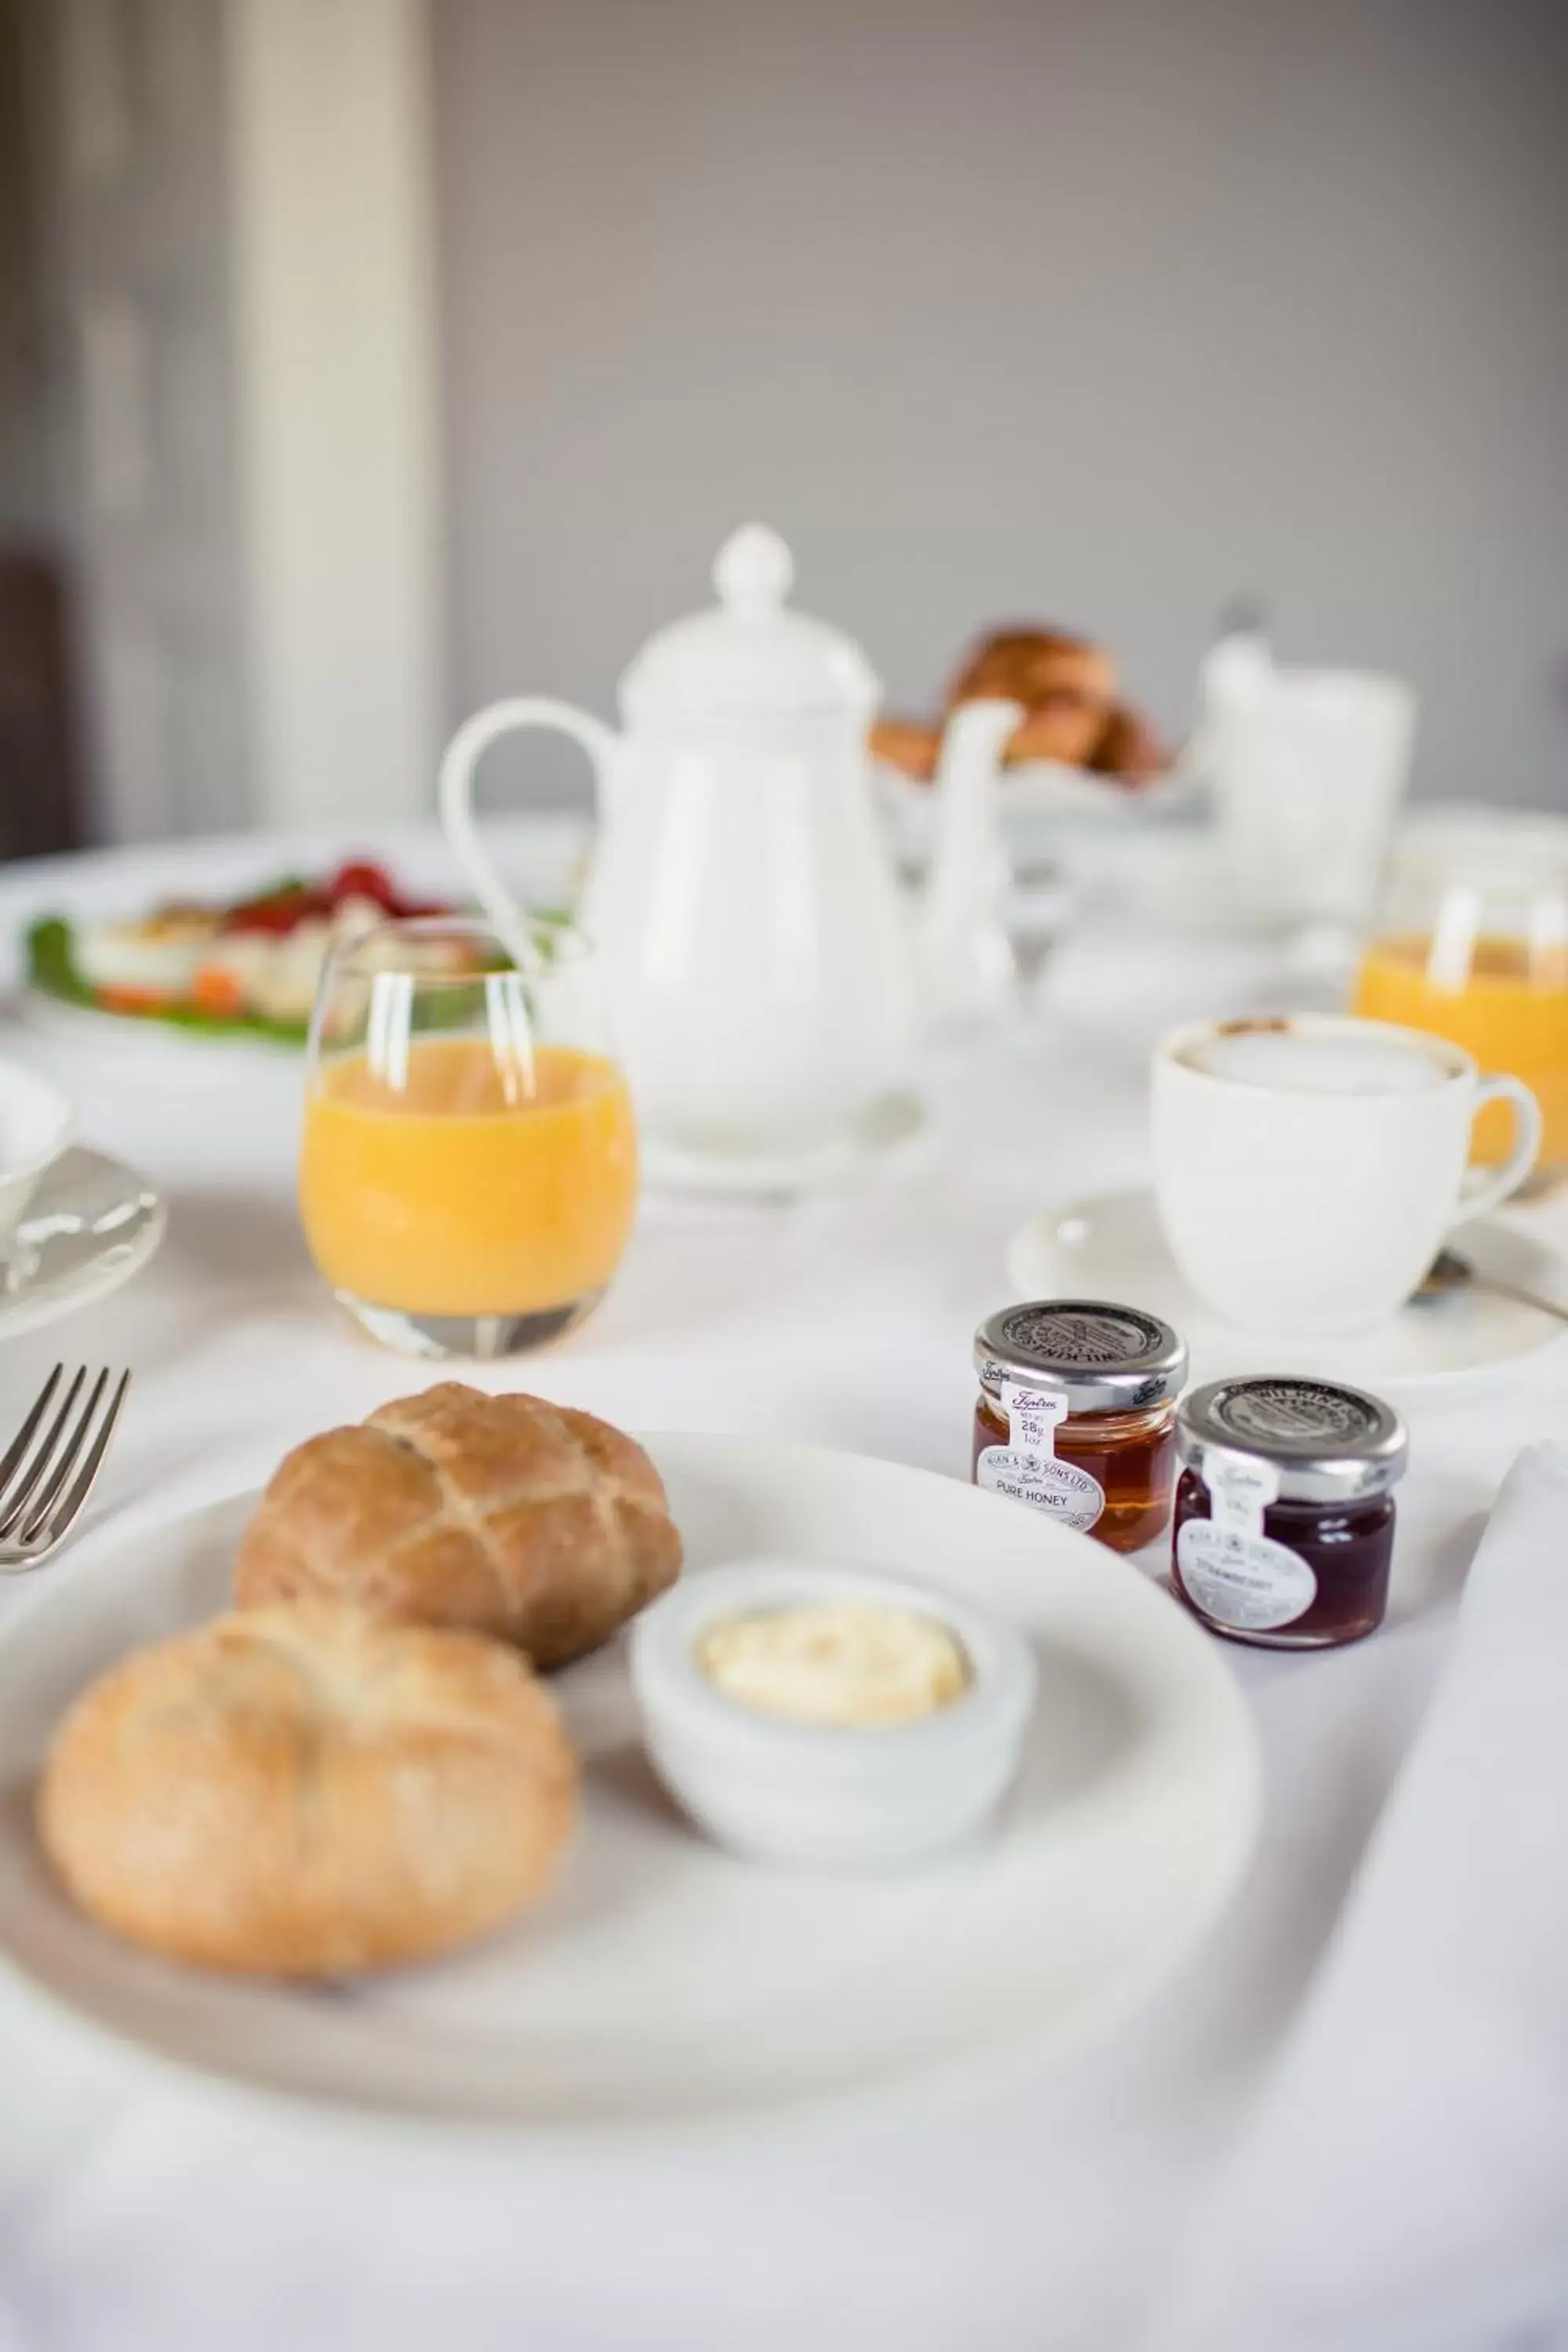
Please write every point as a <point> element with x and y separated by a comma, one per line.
<point>140,2212</point>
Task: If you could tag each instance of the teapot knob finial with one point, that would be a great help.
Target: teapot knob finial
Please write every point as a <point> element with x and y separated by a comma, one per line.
<point>753,570</point>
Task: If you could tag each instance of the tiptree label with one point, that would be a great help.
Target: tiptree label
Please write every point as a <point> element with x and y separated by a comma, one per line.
<point>1060,1488</point>
<point>1033,1416</point>
<point>1248,1582</point>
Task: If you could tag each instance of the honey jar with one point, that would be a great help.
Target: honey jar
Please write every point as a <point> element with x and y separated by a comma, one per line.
<point>1076,1414</point>
<point>1285,1510</point>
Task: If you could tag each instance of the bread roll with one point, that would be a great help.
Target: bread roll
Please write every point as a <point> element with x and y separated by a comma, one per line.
<point>504,1514</point>
<point>307,1791</point>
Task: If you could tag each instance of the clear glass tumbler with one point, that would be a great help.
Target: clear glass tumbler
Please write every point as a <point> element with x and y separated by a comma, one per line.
<point>469,1172</point>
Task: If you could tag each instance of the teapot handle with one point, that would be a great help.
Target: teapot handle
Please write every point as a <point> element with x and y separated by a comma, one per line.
<point>456,792</point>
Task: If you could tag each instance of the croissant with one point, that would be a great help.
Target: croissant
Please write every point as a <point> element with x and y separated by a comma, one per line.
<point>1128,747</point>
<point>1071,711</point>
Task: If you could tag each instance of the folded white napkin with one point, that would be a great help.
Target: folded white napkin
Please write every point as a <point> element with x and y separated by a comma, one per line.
<point>1404,2187</point>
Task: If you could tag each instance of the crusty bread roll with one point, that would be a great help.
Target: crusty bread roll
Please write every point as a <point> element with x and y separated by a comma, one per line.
<point>307,1791</point>
<point>504,1514</point>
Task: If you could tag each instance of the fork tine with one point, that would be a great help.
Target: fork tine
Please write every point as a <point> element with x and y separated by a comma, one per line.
<point>66,1512</point>
<point>20,1443</point>
<point>43,1504</point>
<point>16,1503</point>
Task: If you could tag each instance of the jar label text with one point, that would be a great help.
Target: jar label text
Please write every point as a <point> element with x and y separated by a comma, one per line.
<point>1247,1581</point>
<point>1240,1487</point>
<point>1032,1417</point>
<point>1060,1488</point>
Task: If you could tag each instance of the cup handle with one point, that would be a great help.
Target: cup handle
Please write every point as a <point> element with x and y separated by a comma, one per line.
<point>1495,1189</point>
<point>455,795</point>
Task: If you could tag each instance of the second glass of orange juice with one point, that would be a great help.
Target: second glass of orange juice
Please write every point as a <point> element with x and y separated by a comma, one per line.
<point>1472,943</point>
<point>469,1172</point>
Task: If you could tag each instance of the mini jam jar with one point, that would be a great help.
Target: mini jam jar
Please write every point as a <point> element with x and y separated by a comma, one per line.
<point>1075,1412</point>
<point>1285,1513</point>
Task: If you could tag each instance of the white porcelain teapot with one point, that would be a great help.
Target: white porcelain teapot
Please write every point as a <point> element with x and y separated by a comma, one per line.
<point>742,891</point>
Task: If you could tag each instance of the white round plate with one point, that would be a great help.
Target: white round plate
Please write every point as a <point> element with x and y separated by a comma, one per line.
<point>664,1983</point>
<point>1111,1246</point>
<point>90,1225</point>
<point>888,1129</point>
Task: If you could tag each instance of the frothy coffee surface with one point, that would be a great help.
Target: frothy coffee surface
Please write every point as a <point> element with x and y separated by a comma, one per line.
<point>1309,1062</point>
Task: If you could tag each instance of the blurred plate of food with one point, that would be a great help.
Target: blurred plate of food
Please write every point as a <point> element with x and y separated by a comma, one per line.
<point>243,969</point>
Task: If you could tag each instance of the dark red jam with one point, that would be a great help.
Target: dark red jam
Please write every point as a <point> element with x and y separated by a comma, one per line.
<point>1344,1549</point>
<point>1284,1513</point>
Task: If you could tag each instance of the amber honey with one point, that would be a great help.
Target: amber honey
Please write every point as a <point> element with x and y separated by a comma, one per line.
<point>1130,1455</point>
<point>1075,1415</point>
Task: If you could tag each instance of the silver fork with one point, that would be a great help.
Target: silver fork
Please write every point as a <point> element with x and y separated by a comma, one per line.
<point>43,1486</point>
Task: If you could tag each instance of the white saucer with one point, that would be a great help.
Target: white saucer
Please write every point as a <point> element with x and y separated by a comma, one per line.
<point>1111,1246</point>
<point>885,1130</point>
<point>90,1225</point>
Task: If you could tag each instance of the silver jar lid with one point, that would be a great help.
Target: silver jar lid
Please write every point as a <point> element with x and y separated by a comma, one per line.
<point>1101,1357</point>
<point>1330,1444</point>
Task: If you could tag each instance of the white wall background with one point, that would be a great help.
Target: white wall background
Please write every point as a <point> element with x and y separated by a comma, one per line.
<point>334,320</point>
<point>1021,307</point>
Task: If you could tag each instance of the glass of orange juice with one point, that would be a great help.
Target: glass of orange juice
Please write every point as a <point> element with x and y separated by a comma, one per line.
<point>469,1171</point>
<point>1472,942</point>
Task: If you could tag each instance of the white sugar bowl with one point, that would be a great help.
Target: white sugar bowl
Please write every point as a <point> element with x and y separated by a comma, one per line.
<point>830,1793</point>
<point>36,1124</point>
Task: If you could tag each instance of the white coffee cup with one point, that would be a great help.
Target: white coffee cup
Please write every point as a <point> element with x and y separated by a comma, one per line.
<point>1307,1170</point>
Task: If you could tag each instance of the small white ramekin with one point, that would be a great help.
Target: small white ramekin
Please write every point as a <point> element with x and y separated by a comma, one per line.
<point>36,1125</point>
<point>827,1795</point>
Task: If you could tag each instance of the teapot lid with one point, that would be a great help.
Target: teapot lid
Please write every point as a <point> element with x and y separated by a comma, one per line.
<point>751,654</point>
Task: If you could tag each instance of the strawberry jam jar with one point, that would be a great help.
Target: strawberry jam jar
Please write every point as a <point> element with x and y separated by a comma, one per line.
<point>1285,1510</point>
<point>1076,1413</point>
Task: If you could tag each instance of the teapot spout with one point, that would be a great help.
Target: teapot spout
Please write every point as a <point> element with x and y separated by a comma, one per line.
<point>964,960</point>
